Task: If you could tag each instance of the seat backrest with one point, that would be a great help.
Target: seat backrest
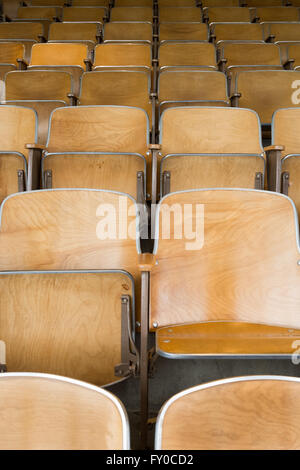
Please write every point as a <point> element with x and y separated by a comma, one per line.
<point>187,53</point>
<point>267,91</point>
<point>277,14</point>
<point>249,53</point>
<point>84,14</point>
<point>19,30</point>
<point>52,412</point>
<point>180,14</point>
<point>18,127</point>
<point>10,52</point>
<point>38,85</point>
<point>36,3</point>
<point>74,31</point>
<point>264,3</point>
<point>128,31</point>
<point>82,3</point>
<point>285,130</point>
<point>47,13</point>
<point>220,3</point>
<point>175,31</point>
<point>222,415</point>
<point>225,242</point>
<point>210,130</point>
<point>133,3</point>
<point>66,318</point>
<point>131,14</point>
<point>237,32</point>
<point>283,31</point>
<point>293,52</point>
<point>228,14</point>
<point>118,54</point>
<point>59,54</point>
<point>176,3</point>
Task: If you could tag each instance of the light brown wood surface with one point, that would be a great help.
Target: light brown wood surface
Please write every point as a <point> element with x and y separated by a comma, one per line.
<point>39,12</point>
<point>176,3</point>
<point>277,14</point>
<point>286,130</point>
<point>227,14</point>
<point>183,31</point>
<point>189,53</point>
<point>173,13</point>
<point>17,128</point>
<point>52,413</point>
<point>68,324</point>
<point>236,414</point>
<point>122,54</point>
<point>264,3</point>
<point>133,3</point>
<point>59,3</point>
<point>291,165</point>
<point>260,91</point>
<point>229,338</point>
<point>74,31</point>
<point>237,32</point>
<point>84,14</point>
<point>9,166</point>
<point>131,14</point>
<point>249,54</point>
<point>220,3</point>
<point>10,52</point>
<point>82,3</point>
<point>128,31</point>
<point>283,31</point>
<point>243,270</point>
<point>18,30</point>
<point>116,172</point>
<point>59,54</point>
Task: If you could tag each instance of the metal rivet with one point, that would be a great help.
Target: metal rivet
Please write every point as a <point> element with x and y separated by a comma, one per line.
<point>298,262</point>
<point>156,263</point>
<point>138,324</point>
<point>155,324</point>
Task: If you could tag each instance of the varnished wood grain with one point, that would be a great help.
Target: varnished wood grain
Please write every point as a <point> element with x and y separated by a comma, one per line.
<point>174,13</point>
<point>185,54</point>
<point>19,30</point>
<point>53,413</point>
<point>120,54</point>
<point>10,52</point>
<point>128,31</point>
<point>131,14</point>
<point>9,166</point>
<point>282,31</point>
<point>73,31</point>
<point>17,128</point>
<point>277,14</point>
<point>183,31</point>
<point>39,12</point>
<point>237,32</point>
<point>227,14</point>
<point>84,13</point>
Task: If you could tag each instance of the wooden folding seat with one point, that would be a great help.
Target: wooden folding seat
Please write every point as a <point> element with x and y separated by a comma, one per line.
<point>131,14</point>
<point>41,90</point>
<point>69,317</point>
<point>186,54</point>
<point>101,147</point>
<point>85,33</point>
<point>85,14</point>
<point>65,57</point>
<point>182,31</point>
<point>220,32</point>
<point>276,14</point>
<point>133,3</point>
<point>117,87</point>
<point>207,147</point>
<point>48,412</point>
<point>92,3</point>
<point>128,31</point>
<point>295,3</point>
<point>263,3</point>
<point>281,31</point>
<point>44,15</point>
<point>191,87</point>
<point>286,143</point>
<point>227,14</point>
<point>265,91</point>
<point>41,3</point>
<point>10,9</point>
<point>26,33</point>
<point>237,57</point>
<point>223,415</point>
<point>18,125</point>
<point>293,56</point>
<point>176,3</point>
<point>130,56</point>
<point>174,14</point>
<point>11,57</point>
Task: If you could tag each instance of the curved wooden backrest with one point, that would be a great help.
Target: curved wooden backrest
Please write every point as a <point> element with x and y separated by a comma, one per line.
<point>188,53</point>
<point>237,260</point>
<point>180,14</point>
<point>243,413</point>
<point>51,412</point>
<point>250,54</point>
<point>98,128</point>
<point>231,14</point>
<point>285,130</point>
<point>84,13</point>
<point>119,54</point>
<point>131,14</point>
<point>73,31</point>
<point>82,3</point>
<point>264,3</point>
<point>18,127</point>
<point>237,32</point>
<point>39,12</point>
<point>176,3</point>
<point>38,85</point>
<point>294,53</point>
<point>277,14</point>
<point>191,85</point>
<point>133,3</point>
<point>57,321</point>
<point>220,3</point>
<point>259,91</point>
<point>59,54</point>
<point>210,130</point>
<point>10,52</point>
<point>128,31</point>
<point>19,30</point>
<point>59,3</point>
<point>183,31</point>
<point>283,31</point>
<point>118,87</point>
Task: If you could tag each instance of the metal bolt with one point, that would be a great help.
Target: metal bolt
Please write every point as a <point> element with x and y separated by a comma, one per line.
<point>138,324</point>
<point>298,262</point>
<point>155,324</point>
